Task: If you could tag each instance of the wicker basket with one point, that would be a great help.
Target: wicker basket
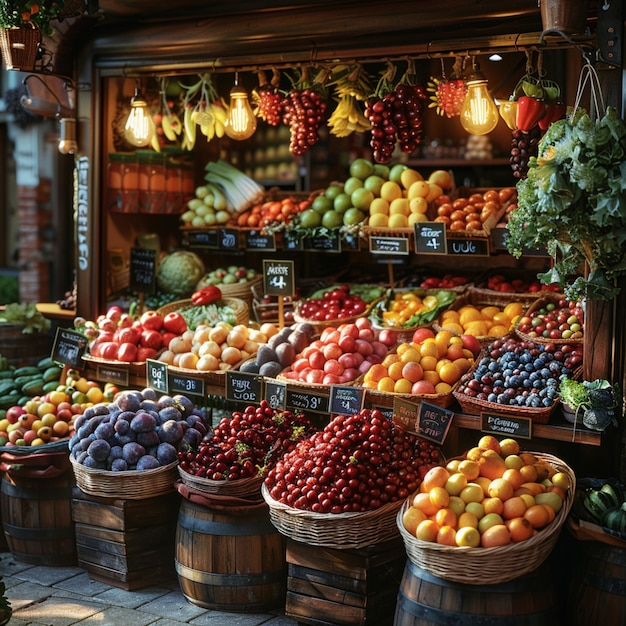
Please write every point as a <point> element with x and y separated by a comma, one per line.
<point>240,307</point>
<point>19,47</point>
<point>341,531</point>
<point>135,368</point>
<point>386,398</point>
<point>243,291</point>
<point>242,488</point>
<point>132,484</point>
<point>485,566</point>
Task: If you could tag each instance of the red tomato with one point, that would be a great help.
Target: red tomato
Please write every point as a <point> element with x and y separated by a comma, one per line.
<point>151,320</point>
<point>175,323</point>
<point>151,339</point>
<point>127,352</point>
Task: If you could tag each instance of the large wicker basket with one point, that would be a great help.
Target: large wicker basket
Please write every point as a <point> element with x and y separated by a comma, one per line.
<point>131,485</point>
<point>341,531</point>
<point>485,566</point>
<point>239,306</point>
<point>241,488</point>
<point>19,47</point>
<point>243,291</point>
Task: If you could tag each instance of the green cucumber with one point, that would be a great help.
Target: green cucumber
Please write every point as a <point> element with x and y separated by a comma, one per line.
<point>50,386</point>
<point>46,362</point>
<point>27,370</point>
<point>33,388</point>
<point>9,400</point>
<point>52,373</point>
<point>7,387</point>
<point>6,375</point>
<point>597,502</point>
<point>615,519</point>
<point>23,380</point>
<point>608,489</point>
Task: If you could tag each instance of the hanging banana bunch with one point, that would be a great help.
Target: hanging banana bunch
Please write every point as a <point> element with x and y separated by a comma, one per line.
<point>352,86</point>
<point>170,122</point>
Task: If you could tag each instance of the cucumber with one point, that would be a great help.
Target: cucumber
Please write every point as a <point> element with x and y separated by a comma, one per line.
<point>46,362</point>
<point>7,387</point>
<point>50,386</point>
<point>33,388</point>
<point>27,370</point>
<point>6,375</point>
<point>23,380</point>
<point>9,400</point>
<point>52,373</point>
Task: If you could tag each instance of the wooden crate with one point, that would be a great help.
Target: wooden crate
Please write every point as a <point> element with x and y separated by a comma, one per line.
<point>125,543</point>
<point>326,586</point>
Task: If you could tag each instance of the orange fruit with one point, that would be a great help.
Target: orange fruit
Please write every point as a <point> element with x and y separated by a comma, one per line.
<point>513,476</point>
<point>429,363</point>
<point>450,373</point>
<point>427,530</point>
<point>446,517</point>
<point>411,518</point>
<point>500,488</point>
<point>528,473</point>
<point>469,468</point>
<point>497,535</point>
<point>422,502</point>
<point>439,497</point>
<point>537,515</point>
<point>493,505</point>
<point>514,507</point>
<point>436,476</point>
<point>520,529</point>
<point>446,536</point>
<point>467,518</point>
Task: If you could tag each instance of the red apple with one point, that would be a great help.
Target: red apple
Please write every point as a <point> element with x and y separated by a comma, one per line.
<point>131,334</point>
<point>151,320</point>
<point>167,337</point>
<point>106,324</point>
<point>114,313</point>
<point>388,336</point>
<point>127,352</point>
<point>151,339</point>
<point>14,412</point>
<point>175,323</point>
<point>471,343</point>
<point>108,350</point>
<point>143,353</point>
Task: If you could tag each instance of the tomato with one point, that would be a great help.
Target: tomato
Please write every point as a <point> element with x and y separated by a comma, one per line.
<point>151,339</point>
<point>127,352</point>
<point>151,320</point>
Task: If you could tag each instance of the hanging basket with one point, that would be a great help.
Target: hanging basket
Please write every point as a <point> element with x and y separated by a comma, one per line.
<point>19,47</point>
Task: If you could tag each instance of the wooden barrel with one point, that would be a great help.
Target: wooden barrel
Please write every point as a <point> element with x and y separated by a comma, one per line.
<point>426,600</point>
<point>37,519</point>
<point>231,559</point>
<point>597,585</point>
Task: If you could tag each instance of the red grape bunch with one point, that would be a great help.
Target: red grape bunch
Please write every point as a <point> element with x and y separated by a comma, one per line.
<point>357,463</point>
<point>380,112</point>
<point>523,146</point>
<point>303,112</point>
<point>408,116</point>
<point>246,444</point>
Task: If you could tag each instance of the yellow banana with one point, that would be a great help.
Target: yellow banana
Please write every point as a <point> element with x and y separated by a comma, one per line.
<point>190,129</point>
<point>154,142</point>
<point>168,131</point>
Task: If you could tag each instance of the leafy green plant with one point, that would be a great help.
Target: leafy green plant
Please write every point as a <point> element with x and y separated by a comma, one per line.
<point>597,401</point>
<point>9,289</point>
<point>25,314</point>
<point>5,606</point>
<point>23,13</point>
<point>573,204</point>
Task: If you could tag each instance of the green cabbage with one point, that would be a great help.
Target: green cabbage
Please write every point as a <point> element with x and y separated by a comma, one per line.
<point>179,272</point>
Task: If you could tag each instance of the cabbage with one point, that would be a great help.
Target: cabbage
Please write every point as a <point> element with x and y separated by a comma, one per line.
<point>179,272</point>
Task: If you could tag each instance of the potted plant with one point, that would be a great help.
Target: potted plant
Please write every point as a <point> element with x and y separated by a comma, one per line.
<point>22,23</point>
<point>572,204</point>
<point>594,403</point>
<point>24,333</point>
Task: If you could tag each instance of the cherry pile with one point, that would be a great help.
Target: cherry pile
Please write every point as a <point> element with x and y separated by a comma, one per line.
<point>521,373</point>
<point>523,146</point>
<point>336,304</point>
<point>357,463</point>
<point>563,319</point>
<point>303,112</point>
<point>269,105</point>
<point>246,444</point>
<point>396,116</point>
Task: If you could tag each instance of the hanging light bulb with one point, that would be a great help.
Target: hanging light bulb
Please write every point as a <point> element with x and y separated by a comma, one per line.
<point>479,113</point>
<point>67,141</point>
<point>241,121</point>
<point>139,128</point>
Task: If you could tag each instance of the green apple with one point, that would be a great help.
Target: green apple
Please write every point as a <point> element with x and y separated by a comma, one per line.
<point>361,168</point>
<point>396,171</point>
<point>362,198</point>
<point>332,219</point>
<point>309,218</point>
<point>342,203</point>
<point>374,183</point>
<point>353,216</point>
<point>381,170</point>
<point>332,191</point>
<point>321,204</point>
<point>351,184</point>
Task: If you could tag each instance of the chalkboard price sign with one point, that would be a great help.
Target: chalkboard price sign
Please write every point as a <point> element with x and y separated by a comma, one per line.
<point>434,422</point>
<point>299,398</point>
<point>186,384</point>
<point>108,374</point>
<point>389,245</point>
<point>203,238</point>
<point>257,241</point>
<point>430,238</point>
<point>142,269</point>
<point>156,375</point>
<point>229,239</point>
<point>69,347</point>
<point>405,414</point>
<point>276,393</point>
<point>244,387</point>
<point>516,427</point>
<point>468,247</point>
<point>278,278</point>
<point>331,243</point>
<point>346,400</point>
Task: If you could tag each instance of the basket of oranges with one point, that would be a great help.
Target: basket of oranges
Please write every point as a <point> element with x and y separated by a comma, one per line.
<point>479,521</point>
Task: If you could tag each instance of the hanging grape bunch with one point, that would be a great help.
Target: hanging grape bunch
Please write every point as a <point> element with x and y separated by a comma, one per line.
<point>523,146</point>
<point>409,111</point>
<point>268,100</point>
<point>379,110</point>
<point>448,93</point>
<point>303,111</point>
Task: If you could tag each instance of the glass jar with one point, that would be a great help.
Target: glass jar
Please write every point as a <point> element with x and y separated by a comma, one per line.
<point>114,183</point>
<point>130,184</point>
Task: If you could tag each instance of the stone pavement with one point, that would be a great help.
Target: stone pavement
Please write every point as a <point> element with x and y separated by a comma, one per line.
<point>65,596</point>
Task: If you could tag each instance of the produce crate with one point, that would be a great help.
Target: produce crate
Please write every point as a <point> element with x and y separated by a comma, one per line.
<point>327,586</point>
<point>126,543</point>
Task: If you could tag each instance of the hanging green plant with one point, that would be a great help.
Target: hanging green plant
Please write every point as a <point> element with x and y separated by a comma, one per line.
<point>24,13</point>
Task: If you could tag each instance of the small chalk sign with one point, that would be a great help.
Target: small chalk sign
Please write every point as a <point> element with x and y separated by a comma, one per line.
<point>185,384</point>
<point>115,375</point>
<point>294,243</point>
<point>405,414</point>
<point>244,387</point>
<point>466,246</point>
<point>346,400</point>
<point>229,239</point>
<point>430,238</point>
<point>434,422</point>
<point>203,239</point>
<point>69,347</point>
<point>298,398</point>
<point>276,393</point>
<point>498,238</point>
<point>278,278</point>
<point>255,240</point>
<point>330,243</point>
<point>156,375</point>
<point>515,427</point>
<point>143,270</point>
<point>389,245</point>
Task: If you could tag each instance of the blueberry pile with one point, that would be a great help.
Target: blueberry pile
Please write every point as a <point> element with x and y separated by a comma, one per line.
<point>521,373</point>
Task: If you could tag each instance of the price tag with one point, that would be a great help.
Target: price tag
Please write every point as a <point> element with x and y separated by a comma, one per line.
<point>406,415</point>
<point>69,347</point>
<point>331,243</point>
<point>307,400</point>
<point>389,245</point>
<point>434,422</point>
<point>515,427</point>
<point>256,241</point>
<point>294,243</point>
<point>430,238</point>
<point>156,375</point>
<point>275,393</point>
<point>244,387</point>
<point>350,242</point>
<point>203,239</point>
<point>278,278</point>
<point>142,270</point>
<point>346,400</point>
<point>498,238</point>
<point>387,411</point>
<point>108,374</point>
<point>468,247</point>
<point>229,239</point>
<point>185,384</point>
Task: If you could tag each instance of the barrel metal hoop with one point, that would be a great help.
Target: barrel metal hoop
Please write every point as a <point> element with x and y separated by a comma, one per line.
<point>229,580</point>
<point>209,527</point>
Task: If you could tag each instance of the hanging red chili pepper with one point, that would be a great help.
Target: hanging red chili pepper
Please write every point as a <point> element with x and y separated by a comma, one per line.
<point>206,295</point>
<point>529,111</point>
<point>554,111</point>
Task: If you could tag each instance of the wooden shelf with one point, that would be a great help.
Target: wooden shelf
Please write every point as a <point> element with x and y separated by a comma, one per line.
<point>447,163</point>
